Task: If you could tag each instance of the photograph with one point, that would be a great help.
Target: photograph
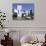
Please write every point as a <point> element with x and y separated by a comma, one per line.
<point>23,11</point>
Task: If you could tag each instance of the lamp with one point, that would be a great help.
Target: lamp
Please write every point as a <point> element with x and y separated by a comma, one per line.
<point>7,31</point>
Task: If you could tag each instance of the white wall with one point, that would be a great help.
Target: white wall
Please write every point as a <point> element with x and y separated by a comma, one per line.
<point>40,14</point>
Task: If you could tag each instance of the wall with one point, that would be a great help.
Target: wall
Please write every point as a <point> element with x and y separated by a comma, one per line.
<point>38,24</point>
<point>40,12</point>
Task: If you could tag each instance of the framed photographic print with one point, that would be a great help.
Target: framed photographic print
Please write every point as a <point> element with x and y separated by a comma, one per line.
<point>23,11</point>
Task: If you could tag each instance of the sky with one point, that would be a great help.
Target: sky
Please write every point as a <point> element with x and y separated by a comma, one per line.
<point>23,6</point>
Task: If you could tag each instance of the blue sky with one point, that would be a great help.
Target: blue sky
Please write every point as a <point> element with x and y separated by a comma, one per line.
<point>25,6</point>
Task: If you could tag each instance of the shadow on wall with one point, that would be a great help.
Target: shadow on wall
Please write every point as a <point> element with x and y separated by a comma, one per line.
<point>16,43</point>
<point>15,37</point>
